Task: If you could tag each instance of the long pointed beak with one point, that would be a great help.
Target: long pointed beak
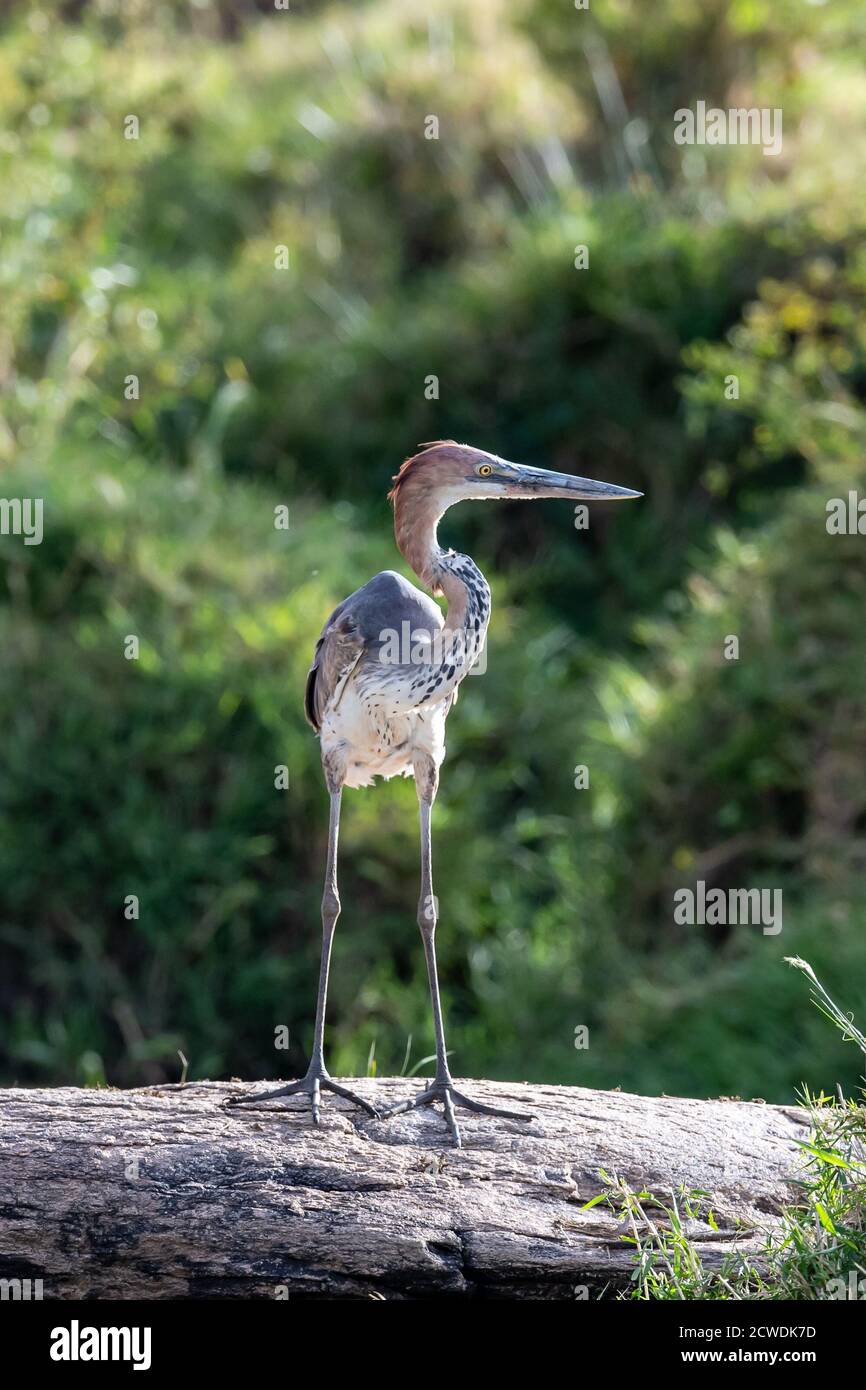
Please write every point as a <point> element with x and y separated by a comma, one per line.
<point>527,483</point>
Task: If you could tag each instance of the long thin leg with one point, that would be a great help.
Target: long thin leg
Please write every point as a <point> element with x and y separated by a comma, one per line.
<point>317,1077</point>
<point>442,1087</point>
<point>427,917</point>
<point>330,913</point>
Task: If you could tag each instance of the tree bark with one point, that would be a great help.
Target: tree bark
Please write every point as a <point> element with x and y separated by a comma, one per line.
<point>164,1193</point>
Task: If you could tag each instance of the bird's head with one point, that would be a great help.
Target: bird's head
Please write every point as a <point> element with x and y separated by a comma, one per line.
<point>444,473</point>
<point>454,472</point>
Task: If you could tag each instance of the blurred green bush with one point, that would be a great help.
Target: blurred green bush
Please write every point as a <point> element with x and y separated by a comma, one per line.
<point>258,387</point>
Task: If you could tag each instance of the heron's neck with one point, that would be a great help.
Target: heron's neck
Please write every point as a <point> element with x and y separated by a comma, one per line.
<point>468,595</point>
<point>443,571</point>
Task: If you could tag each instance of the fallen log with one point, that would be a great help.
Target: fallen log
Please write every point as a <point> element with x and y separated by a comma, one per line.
<point>162,1192</point>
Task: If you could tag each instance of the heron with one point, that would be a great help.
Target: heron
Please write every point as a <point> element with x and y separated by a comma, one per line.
<point>385,674</point>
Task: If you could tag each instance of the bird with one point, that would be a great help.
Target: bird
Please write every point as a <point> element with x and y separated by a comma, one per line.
<point>384,677</point>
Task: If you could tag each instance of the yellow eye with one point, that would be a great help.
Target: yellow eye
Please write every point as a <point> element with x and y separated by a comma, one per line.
<point>485,469</point>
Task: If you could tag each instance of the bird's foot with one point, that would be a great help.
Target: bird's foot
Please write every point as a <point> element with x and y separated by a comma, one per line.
<point>444,1091</point>
<point>311,1085</point>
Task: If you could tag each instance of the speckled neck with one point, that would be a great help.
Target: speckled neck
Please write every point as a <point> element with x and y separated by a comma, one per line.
<point>417,513</point>
<point>468,595</point>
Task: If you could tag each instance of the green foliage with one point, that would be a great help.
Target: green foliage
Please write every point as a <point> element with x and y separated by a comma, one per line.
<point>818,1249</point>
<point>305,387</point>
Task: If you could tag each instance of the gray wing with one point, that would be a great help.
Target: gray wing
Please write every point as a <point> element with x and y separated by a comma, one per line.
<point>338,651</point>
<point>357,628</point>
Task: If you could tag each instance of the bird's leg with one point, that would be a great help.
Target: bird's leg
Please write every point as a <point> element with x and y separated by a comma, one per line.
<point>317,1078</point>
<point>442,1086</point>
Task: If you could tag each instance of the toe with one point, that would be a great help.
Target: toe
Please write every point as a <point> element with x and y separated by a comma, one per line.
<point>451,1120</point>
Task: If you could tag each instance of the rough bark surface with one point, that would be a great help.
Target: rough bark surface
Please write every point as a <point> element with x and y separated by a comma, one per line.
<point>164,1193</point>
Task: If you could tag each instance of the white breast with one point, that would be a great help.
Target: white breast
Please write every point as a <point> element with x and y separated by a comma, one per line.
<point>374,741</point>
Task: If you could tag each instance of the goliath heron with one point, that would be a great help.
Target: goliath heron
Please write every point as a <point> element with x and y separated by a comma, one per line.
<point>380,709</point>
